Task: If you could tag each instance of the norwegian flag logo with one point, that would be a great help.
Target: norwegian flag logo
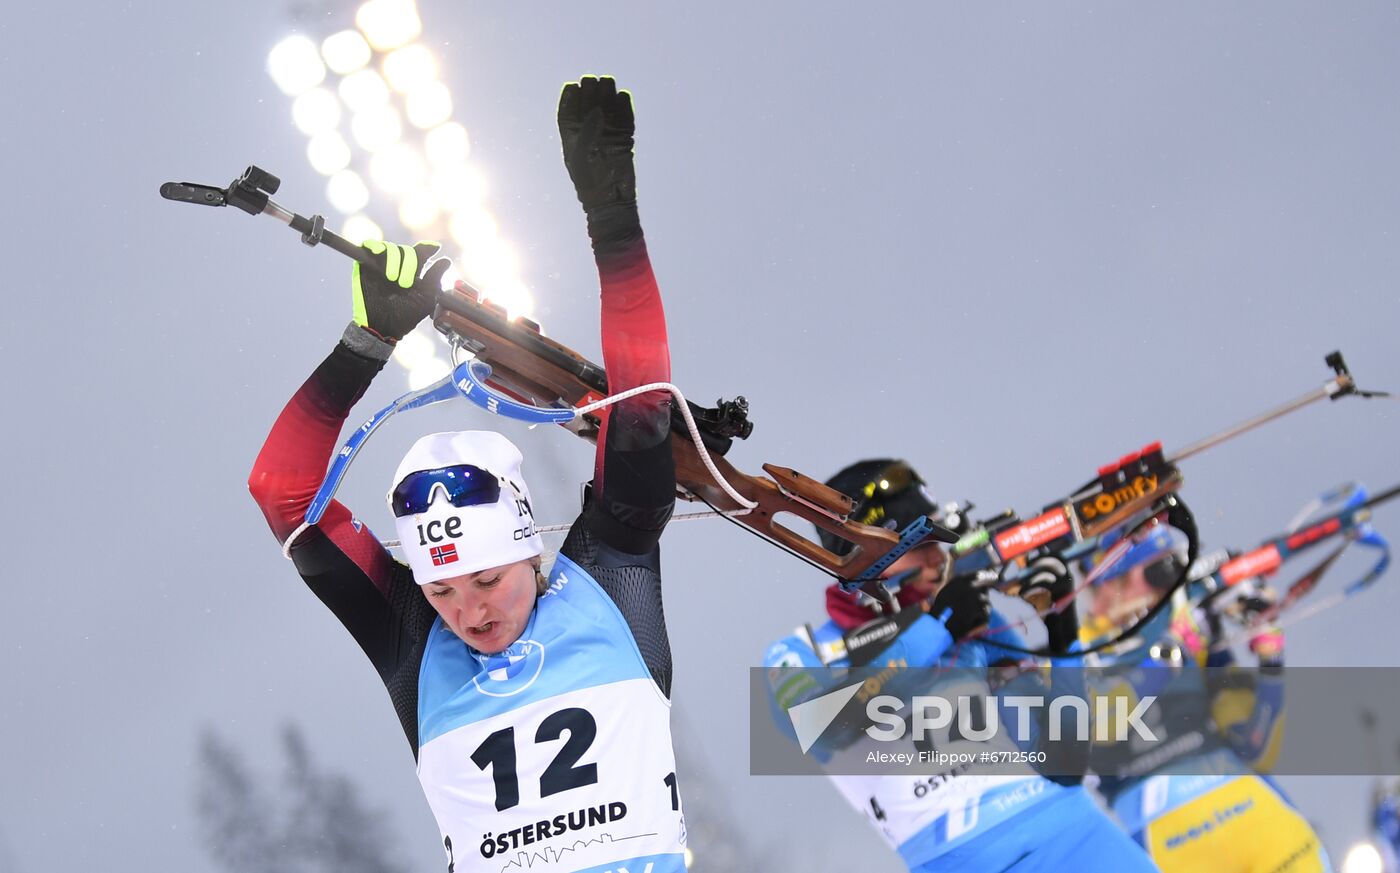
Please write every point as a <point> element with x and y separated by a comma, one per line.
<point>443,554</point>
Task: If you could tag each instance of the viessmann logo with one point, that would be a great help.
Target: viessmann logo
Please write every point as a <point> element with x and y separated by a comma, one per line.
<point>1256,563</point>
<point>1038,531</point>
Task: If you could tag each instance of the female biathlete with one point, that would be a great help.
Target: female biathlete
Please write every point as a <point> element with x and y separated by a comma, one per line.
<point>1194,799</point>
<point>537,706</point>
<point>957,818</point>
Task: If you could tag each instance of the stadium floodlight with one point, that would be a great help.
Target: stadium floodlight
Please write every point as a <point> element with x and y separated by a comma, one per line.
<point>427,373</point>
<point>417,353</point>
<point>329,153</point>
<point>414,349</point>
<point>363,90</point>
<point>398,169</point>
<point>502,263</point>
<point>447,144</point>
<point>512,294</point>
<point>409,68</point>
<point>315,111</point>
<point>388,24</point>
<point>295,65</point>
<point>400,137</point>
<point>345,52</point>
<point>358,228</point>
<point>458,187</point>
<point>451,275</point>
<point>494,268</point>
<point>418,210</point>
<point>348,193</point>
<point>1363,858</point>
<point>472,228</point>
<point>376,128</point>
<point>428,105</point>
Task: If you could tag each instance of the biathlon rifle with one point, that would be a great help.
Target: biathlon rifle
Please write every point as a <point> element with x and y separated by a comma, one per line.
<point>1343,513</point>
<point>1125,498</point>
<point>516,371</point>
<point>1122,490</point>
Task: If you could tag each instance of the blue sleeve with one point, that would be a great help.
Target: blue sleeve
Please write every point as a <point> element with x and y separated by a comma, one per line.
<point>1219,657</point>
<point>1256,738</point>
<point>1066,759</point>
<point>791,679</point>
<point>796,675</point>
<point>921,645</point>
<point>1011,674</point>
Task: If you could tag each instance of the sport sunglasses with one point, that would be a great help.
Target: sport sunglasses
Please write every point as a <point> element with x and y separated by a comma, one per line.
<point>463,484</point>
<point>892,481</point>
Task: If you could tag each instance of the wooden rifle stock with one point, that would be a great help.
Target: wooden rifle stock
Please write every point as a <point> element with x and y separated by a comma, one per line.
<point>534,369</point>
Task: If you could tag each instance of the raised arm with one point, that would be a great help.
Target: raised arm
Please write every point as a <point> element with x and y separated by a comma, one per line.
<point>634,474</point>
<point>340,559</point>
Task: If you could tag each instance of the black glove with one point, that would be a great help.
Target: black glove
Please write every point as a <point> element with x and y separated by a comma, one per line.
<point>1047,581</point>
<point>1250,607</point>
<point>1215,630</point>
<point>1256,609</point>
<point>596,127</point>
<point>970,608</point>
<point>390,298</point>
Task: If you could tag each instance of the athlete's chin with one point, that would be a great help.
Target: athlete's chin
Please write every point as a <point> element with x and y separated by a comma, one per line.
<point>1126,612</point>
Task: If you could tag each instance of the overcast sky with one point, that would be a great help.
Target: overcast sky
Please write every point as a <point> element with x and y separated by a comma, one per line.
<point>1008,244</point>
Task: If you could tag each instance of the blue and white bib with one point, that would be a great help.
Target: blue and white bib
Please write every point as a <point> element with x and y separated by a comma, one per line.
<point>555,755</point>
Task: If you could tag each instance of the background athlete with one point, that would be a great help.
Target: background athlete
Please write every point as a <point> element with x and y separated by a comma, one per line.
<point>537,706</point>
<point>1218,728</point>
<point>953,820</point>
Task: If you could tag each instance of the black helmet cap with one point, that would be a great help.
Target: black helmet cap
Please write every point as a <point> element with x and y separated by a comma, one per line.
<point>887,493</point>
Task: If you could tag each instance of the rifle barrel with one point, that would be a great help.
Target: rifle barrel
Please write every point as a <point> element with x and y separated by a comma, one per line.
<point>1390,494</point>
<point>1230,433</point>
